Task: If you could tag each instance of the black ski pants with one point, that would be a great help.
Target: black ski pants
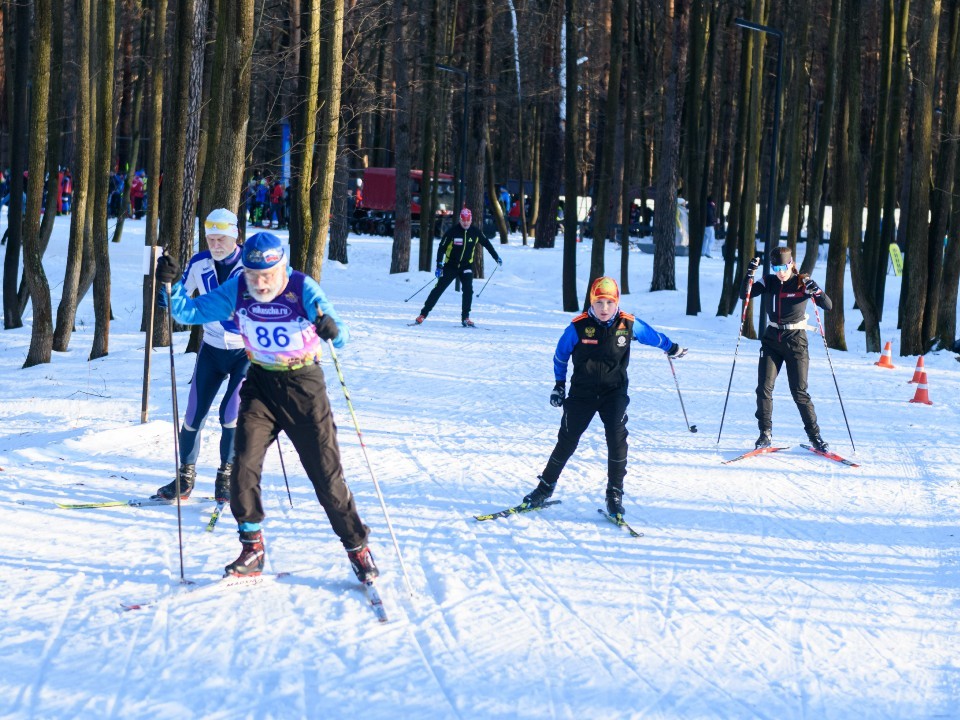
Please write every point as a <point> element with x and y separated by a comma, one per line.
<point>451,273</point>
<point>776,350</point>
<point>294,401</point>
<point>578,411</point>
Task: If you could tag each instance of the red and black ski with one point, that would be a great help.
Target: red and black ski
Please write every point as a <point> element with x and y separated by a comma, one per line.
<point>830,456</point>
<point>754,453</point>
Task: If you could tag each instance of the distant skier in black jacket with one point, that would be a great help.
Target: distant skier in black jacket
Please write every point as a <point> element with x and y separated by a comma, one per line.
<point>785,340</point>
<point>455,260</point>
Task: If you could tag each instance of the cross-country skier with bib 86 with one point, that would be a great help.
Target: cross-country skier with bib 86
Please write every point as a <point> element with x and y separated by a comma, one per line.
<point>598,341</point>
<point>455,260</point>
<point>222,357</point>
<point>276,312</point>
<point>784,341</point>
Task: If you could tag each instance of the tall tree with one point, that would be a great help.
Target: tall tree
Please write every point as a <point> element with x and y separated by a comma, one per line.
<point>664,225</point>
<point>101,177</point>
<point>571,141</point>
<point>822,150</point>
<point>41,336</point>
<point>328,130</point>
<point>912,340</point>
<point>21,66</point>
<point>304,135</point>
<point>67,309</point>
<point>946,168</point>
<point>224,183</point>
<point>604,175</point>
<point>400,257</point>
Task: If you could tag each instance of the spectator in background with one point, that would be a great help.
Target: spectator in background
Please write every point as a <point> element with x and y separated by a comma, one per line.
<point>276,205</point>
<point>709,234</point>
<point>138,194</point>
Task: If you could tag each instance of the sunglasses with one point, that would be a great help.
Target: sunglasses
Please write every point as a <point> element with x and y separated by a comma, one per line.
<point>217,225</point>
<point>780,268</point>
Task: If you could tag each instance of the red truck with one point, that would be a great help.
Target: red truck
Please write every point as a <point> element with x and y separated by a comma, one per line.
<point>378,194</point>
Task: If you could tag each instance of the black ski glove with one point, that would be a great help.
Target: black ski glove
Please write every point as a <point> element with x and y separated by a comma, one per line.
<point>558,393</point>
<point>752,267</point>
<point>812,288</point>
<point>326,328</point>
<point>167,270</point>
<point>676,352</point>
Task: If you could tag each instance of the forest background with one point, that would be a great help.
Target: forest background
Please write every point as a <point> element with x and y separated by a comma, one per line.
<point>853,104</point>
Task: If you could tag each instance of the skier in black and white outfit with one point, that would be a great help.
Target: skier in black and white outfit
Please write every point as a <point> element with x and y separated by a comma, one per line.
<point>222,357</point>
<point>455,260</point>
<point>784,342</point>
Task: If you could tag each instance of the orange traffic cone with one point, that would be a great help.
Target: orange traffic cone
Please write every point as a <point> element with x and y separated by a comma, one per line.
<point>918,373</point>
<point>886,359</point>
<point>922,396</point>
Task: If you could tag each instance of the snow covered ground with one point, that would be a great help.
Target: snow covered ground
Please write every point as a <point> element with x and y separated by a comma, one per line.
<point>785,586</point>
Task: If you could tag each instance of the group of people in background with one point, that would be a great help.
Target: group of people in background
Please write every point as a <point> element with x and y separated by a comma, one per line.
<point>266,202</point>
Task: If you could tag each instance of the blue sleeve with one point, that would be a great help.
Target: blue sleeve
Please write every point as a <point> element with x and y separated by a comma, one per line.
<point>312,295</point>
<point>213,306</point>
<point>648,336</point>
<point>568,341</point>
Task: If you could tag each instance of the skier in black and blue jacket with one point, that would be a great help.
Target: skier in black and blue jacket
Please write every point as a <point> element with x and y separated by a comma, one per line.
<point>599,343</point>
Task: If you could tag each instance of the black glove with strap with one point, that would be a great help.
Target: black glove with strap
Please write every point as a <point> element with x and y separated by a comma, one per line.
<point>326,328</point>
<point>676,352</point>
<point>558,393</point>
<point>752,267</point>
<point>168,272</point>
<point>812,288</point>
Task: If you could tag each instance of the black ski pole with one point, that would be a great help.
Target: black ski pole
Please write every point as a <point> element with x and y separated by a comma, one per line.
<point>284,468</point>
<point>418,291</point>
<point>837,386</point>
<point>363,447</point>
<point>176,432</point>
<point>488,280</point>
<point>743,319</point>
<point>691,428</point>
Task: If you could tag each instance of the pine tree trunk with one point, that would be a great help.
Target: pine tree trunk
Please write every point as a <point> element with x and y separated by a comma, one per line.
<point>571,141</point>
<point>665,218</point>
<point>41,337</point>
<point>101,240</point>
<point>18,160</point>
<point>604,175</point>
<point>912,339</point>
<point>942,198</point>
<point>303,136</point>
<point>67,309</point>
<point>400,257</point>
<point>328,130</point>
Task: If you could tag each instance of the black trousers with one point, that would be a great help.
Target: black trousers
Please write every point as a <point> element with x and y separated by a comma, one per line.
<point>451,273</point>
<point>776,350</point>
<point>577,414</point>
<point>294,401</point>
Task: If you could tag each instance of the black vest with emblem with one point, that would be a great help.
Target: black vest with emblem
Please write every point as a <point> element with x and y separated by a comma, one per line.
<point>601,355</point>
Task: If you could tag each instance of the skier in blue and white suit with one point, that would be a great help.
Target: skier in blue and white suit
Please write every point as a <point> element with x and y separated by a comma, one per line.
<point>284,318</point>
<point>222,357</point>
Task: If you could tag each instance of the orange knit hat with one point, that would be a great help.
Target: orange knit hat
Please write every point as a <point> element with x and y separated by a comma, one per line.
<point>606,288</point>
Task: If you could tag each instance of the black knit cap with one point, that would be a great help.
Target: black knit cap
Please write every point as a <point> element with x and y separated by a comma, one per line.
<point>781,256</point>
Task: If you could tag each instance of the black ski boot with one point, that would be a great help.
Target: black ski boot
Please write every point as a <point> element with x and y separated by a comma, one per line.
<point>222,487</point>
<point>361,560</point>
<point>817,441</point>
<point>187,477</point>
<point>251,557</point>
<point>615,502</point>
<point>540,493</point>
<point>765,439</point>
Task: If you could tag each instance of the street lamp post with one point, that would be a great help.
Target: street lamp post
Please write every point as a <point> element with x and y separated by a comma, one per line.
<point>770,240</point>
<point>461,200</point>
